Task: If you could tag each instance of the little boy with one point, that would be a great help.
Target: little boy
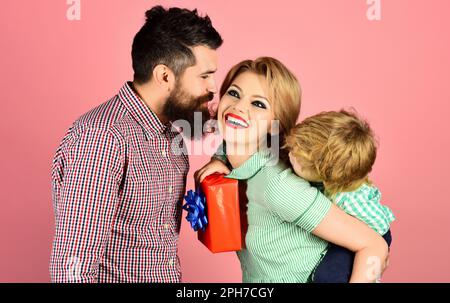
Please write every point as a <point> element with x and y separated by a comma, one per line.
<point>337,150</point>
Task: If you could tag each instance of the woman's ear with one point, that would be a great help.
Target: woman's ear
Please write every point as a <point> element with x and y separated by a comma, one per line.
<point>164,77</point>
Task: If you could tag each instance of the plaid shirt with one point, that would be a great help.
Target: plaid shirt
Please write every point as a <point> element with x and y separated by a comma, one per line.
<point>364,204</point>
<point>117,193</point>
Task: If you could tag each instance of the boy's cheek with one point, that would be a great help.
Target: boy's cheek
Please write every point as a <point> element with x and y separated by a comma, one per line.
<point>297,170</point>
<point>294,163</point>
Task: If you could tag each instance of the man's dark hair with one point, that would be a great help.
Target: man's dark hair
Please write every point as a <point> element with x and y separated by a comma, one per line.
<point>166,38</point>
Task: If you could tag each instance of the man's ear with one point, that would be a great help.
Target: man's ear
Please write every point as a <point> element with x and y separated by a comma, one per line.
<point>164,77</point>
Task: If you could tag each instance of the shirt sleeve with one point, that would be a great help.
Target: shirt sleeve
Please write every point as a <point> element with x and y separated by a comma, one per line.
<point>294,200</point>
<point>86,206</point>
<point>368,209</point>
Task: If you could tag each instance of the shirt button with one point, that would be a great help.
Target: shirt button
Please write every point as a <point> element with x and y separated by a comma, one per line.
<point>163,153</point>
<point>166,226</point>
<point>171,262</point>
<point>170,189</point>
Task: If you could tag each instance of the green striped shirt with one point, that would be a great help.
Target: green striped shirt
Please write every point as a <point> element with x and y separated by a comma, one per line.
<point>282,211</point>
<point>364,204</point>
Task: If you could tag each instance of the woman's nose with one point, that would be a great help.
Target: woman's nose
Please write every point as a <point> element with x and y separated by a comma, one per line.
<point>241,106</point>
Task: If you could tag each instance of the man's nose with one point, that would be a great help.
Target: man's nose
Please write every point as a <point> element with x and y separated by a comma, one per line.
<point>213,86</point>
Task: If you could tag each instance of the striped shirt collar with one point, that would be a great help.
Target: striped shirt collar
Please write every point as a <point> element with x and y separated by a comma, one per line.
<point>252,166</point>
<point>141,112</point>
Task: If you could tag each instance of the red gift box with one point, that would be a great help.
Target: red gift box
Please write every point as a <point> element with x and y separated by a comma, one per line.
<point>226,219</point>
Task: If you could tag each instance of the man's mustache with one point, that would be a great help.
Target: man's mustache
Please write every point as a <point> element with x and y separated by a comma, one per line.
<point>206,98</point>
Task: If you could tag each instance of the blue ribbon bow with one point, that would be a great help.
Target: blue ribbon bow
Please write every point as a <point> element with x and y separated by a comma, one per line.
<point>195,206</point>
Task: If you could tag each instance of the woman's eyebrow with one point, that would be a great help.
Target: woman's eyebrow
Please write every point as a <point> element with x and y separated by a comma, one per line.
<point>256,96</point>
<point>261,97</point>
<point>236,87</point>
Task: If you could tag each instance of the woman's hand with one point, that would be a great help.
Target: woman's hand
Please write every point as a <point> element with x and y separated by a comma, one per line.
<point>371,250</point>
<point>213,166</point>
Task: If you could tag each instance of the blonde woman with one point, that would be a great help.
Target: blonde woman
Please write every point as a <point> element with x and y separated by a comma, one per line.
<point>289,222</point>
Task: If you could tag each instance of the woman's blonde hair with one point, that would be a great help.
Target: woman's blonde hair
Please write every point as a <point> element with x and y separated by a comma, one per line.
<point>339,146</point>
<point>283,89</point>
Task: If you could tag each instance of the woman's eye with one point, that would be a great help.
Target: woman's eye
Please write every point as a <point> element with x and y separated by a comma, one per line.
<point>259,104</point>
<point>233,93</point>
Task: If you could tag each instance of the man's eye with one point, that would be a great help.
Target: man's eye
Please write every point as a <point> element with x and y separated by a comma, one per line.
<point>259,104</point>
<point>233,93</point>
<point>205,76</point>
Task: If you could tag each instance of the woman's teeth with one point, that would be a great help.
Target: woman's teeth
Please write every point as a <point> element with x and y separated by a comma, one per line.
<point>236,122</point>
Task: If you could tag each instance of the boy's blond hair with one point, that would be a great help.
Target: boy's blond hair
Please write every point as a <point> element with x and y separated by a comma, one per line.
<point>339,146</point>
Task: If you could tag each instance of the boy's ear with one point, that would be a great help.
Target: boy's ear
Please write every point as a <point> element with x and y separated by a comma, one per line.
<point>164,77</point>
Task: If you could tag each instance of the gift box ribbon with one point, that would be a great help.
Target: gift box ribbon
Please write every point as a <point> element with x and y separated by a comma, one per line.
<point>195,206</point>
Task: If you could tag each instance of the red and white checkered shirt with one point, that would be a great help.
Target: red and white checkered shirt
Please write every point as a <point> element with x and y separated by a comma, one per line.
<point>118,187</point>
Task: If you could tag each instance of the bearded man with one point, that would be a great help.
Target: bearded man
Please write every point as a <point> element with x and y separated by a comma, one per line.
<point>118,183</point>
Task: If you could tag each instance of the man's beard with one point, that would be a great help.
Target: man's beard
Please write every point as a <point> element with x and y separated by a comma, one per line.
<point>182,106</point>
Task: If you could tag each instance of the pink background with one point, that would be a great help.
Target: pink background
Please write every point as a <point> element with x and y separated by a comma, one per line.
<point>395,72</point>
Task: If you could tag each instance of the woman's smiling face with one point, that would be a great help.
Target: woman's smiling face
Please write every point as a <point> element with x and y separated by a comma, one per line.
<point>245,113</point>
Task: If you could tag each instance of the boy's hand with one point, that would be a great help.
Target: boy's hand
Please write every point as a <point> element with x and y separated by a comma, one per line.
<point>213,166</point>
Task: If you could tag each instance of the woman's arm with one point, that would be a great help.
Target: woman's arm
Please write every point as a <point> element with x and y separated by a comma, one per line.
<point>217,164</point>
<point>370,249</point>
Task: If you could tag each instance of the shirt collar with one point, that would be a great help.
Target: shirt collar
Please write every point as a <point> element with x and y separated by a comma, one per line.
<point>141,112</point>
<point>252,166</point>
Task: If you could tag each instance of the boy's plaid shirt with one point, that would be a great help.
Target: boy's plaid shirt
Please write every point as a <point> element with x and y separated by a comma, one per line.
<point>364,203</point>
<point>117,193</point>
